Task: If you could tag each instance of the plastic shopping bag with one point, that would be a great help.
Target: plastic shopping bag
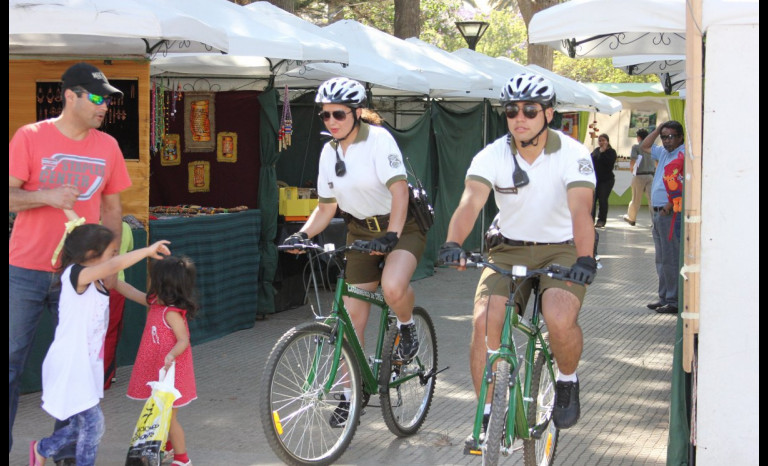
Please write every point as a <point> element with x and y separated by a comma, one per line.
<point>151,431</point>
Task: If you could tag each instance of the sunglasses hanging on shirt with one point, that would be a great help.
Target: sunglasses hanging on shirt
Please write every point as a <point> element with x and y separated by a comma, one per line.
<point>519,176</point>
<point>341,168</point>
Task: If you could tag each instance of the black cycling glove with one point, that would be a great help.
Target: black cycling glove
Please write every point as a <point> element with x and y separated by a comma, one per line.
<point>384,243</point>
<point>296,238</point>
<point>450,253</point>
<point>584,270</point>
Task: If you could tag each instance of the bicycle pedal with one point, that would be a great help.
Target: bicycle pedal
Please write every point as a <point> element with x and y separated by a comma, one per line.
<point>473,451</point>
<point>537,431</point>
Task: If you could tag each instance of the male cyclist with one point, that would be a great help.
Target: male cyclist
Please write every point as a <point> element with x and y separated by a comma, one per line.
<point>543,183</point>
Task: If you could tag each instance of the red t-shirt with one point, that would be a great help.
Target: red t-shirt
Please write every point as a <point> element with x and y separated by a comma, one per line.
<point>43,158</point>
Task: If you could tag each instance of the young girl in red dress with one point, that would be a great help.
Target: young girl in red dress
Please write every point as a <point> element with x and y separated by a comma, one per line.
<point>172,300</point>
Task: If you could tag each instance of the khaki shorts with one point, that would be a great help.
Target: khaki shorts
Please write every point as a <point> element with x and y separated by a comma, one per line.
<point>533,257</point>
<point>365,268</point>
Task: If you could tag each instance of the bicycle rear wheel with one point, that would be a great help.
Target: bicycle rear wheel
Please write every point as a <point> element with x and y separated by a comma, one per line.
<point>541,451</point>
<point>406,388</point>
<point>497,421</point>
<point>295,409</point>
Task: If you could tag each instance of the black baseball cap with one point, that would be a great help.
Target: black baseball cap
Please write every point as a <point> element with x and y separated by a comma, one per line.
<point>89,78</point>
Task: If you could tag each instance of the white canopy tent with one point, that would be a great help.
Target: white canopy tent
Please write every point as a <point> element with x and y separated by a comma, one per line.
<point>586,98</point>
<point>108,28</point>
<point>669,68</point>
<point>503,68</point>
<point>380,59</point>
<point>615,28</point>
<point>459,66</point>
<point>610,28</point>
<point>650,64</point>
<point>258,42</point>
<point>571,95</point>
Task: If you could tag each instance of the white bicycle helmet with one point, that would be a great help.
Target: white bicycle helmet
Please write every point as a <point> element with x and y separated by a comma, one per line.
<point>341,91</point>
<point>528,87</point>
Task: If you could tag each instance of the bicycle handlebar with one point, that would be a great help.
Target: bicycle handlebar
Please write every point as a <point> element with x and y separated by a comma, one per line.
<point>358,245</point>
<point>556,271</point>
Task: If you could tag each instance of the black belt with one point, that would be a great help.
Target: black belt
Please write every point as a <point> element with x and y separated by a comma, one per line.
<point>515,242</point>
<point>375,223</point>
<point>657,209</point>
<point>645,173</point>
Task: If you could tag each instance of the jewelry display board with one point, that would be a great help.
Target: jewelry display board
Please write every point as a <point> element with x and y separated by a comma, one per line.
<point>226,147</point>
<point>199,173</point>
<point>199,124</point>
<point>171,152</point>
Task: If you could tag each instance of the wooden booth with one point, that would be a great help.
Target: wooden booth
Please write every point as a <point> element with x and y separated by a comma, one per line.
<point>34,94</point>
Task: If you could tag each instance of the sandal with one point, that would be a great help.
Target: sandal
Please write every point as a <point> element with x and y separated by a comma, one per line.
<point>33,455</point>
<point>167,457</point>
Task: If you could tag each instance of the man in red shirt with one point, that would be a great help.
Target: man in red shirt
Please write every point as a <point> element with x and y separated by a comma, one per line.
<point>55,164</point>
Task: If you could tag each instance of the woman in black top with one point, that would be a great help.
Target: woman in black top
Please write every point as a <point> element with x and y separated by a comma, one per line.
<point>603,159</point>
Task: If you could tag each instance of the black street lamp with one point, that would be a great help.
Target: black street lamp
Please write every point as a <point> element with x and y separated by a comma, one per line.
<point>472,31</point>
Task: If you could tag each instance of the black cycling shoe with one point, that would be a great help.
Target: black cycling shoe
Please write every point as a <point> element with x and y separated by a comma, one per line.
<point>409,342</point>
<point>340,415</point>
<point>567,409</point>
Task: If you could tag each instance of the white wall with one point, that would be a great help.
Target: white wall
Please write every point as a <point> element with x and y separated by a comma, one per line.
<point>729,365</point>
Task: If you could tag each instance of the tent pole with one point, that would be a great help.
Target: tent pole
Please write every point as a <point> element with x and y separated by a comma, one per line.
<point>692,218</point>
<point>485,142</point>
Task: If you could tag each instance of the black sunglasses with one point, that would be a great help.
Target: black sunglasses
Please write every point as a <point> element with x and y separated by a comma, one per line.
<point>529,110</point>
<point>338,115</point>
<point>669,136</point>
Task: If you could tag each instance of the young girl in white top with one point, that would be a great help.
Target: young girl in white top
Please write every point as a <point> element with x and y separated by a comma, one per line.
<point>73,369</point>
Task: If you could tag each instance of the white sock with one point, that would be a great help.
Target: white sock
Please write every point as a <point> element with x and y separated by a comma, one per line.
<point>487,409</point>
<point>399,324</point>
<point>566,378</point>
<point>347,393</point>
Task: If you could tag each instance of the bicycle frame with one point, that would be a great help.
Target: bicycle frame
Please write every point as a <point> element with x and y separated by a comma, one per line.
<point>341,323</point>
<point>519,391</point>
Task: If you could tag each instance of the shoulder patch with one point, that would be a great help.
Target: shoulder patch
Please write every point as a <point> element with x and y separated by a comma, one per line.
<point>394,160</point>
<point>585,166</point>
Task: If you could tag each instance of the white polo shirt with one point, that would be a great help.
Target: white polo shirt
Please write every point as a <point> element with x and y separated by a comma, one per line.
<point>539,210</point>
<point>373,163</point>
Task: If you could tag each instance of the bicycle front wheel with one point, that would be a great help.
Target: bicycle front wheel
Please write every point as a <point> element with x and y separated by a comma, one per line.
<point>406,387</point>
<point>300,419</point>
<point>498,419</point>
<point>541,451</point>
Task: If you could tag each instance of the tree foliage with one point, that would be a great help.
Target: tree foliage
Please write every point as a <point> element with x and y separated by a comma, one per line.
<point>595,70</point>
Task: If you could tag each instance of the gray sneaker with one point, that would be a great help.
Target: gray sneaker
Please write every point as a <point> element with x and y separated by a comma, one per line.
<point>409,342</point>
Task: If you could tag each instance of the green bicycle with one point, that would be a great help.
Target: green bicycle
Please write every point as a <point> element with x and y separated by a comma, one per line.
<point>523,385</point>
<point>315,366</point>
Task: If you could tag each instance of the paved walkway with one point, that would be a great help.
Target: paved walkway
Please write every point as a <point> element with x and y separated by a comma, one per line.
<point>625,377</point>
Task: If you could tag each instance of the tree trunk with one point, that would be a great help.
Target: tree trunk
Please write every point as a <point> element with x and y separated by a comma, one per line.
<point>334,10</point>
<point>407,18</point>
<point>541,55</point>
